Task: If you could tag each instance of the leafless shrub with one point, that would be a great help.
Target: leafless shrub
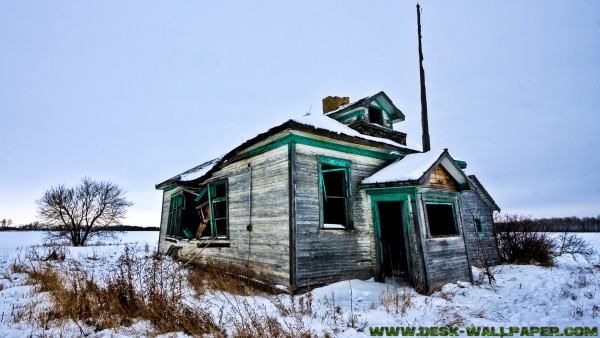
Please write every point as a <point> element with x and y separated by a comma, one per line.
<point>570,243</point>
<point>519,245</point>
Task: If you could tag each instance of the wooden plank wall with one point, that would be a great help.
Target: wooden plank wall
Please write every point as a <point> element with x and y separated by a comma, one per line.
<point>326,255</point>
<point>266,247</point>
<point>472,206</point>
<point>446,257</point>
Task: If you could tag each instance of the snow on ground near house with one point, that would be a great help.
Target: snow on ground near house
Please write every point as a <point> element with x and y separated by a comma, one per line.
<point>525,295</point>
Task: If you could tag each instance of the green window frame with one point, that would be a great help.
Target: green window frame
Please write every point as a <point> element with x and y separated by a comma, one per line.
<point>441,219</point>
<point>335,193</point>
<point>174,220</point>
<point>219,208</point>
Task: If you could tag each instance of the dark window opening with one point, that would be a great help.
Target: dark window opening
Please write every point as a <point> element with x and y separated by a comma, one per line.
<point>441,219</point>
<point>335,195</point>
<point>218,197</point>
<point>203,216</point>
<point>183,219</point>
<point>376,116</point>
<point>478,226</point>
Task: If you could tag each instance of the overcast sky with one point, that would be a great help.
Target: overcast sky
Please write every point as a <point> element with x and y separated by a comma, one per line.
<point>139,91</point>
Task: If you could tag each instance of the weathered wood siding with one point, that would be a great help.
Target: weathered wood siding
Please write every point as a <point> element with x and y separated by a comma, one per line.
<point>326,255</point>
<point>445,256</point>
<point>265,249</point>
<point>483,246</point>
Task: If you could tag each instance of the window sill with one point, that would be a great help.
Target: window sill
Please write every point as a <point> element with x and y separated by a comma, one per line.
<point>201,243</point>
<point>457,236</point>
<point>335,227</point>
<point>214,244</point>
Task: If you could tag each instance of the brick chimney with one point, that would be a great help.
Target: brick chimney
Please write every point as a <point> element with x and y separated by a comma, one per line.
<point>331,103</point>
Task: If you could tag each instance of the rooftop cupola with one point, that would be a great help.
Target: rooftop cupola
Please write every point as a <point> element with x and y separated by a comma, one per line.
<point>373,115</point>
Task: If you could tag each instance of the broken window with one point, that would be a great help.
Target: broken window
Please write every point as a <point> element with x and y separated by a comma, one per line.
<point>212,211</point>
<point>376,116</point>
<point>183,219</point>
<point>219,212</point>
<point>334,176</point>
<point>441,219</point>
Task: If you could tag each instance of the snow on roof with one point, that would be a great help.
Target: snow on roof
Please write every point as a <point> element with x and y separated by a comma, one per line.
<point>409,168</point>
<point>327,123</point>
<point>199,170</point>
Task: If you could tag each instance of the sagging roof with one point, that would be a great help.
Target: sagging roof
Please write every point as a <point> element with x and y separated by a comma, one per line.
<point>316,124</point>
<point>381,98</point>
<point>415,169</point>
<point>192,174</point>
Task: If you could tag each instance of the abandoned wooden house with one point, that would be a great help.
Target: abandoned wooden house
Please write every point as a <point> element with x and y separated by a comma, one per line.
<point>324,198</point>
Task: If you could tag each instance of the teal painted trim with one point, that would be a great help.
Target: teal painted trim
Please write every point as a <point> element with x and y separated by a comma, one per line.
<point>359,114</point>
<point>334,161</point>
<point>389,185</point>
<point>273,145</point>
<point>170,187</point>
<point>212,200</point>
<point>345,166</point>
<point>202,193</point>
<point>212,218</point>
<point>377,229</point>
<point>440,202</point>
<point>392,191</point>
<point>391,115</point>
<point>304,140</point>
<point>345,148</point>
<point>391,196</point>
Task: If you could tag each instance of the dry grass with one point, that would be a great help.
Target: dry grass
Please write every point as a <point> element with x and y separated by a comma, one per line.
<point>253,320</point>
<point>146,288</point>
<point>396,301</point>
<point>226,277</point>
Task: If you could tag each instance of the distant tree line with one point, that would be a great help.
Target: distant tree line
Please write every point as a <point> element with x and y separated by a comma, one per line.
<point>7,224</point>
<point>556,224</point>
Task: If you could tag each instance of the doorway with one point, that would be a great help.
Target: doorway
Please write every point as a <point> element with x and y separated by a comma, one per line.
<point>392,251</point>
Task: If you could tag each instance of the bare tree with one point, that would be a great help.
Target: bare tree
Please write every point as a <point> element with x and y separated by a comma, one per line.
<point>84,211</point>
<point>6,223</point>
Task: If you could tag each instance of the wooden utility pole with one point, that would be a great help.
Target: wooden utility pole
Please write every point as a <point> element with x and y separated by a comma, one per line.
<point>424,121</point>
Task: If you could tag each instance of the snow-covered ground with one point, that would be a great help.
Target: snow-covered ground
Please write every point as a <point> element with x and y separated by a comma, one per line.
<point>567,295</point>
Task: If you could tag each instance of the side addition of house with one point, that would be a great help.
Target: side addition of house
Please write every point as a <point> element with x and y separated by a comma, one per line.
<point>324,198</point>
